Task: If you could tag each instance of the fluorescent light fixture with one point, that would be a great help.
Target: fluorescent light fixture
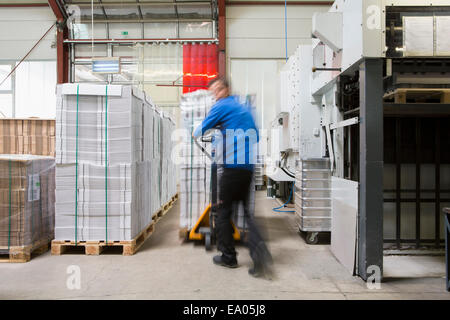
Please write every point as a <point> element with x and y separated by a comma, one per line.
<point>106,65</point>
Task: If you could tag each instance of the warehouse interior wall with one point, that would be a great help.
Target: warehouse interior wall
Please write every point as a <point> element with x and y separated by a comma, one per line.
<point>21,28</point>
<point>256,50</point>
<point>35,83</point>
<point>257,77</point>
<point>255,42</point>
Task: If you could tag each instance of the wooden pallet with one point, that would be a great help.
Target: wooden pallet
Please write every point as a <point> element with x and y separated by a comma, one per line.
<point>94,248</point>
<point>418,95</point>
<point>129,247</point>
<point>183,234</point>
<point>24,254</point>
<point>164,209</point>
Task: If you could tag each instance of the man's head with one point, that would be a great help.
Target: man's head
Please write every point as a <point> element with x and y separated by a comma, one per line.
<point>219,88</point>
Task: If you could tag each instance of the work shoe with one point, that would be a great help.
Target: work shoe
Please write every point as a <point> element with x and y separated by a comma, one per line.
<point>219,260</point>
<point>256,272</point>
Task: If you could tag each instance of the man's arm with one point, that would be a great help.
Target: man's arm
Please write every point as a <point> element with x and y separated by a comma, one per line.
<point>212,120</point>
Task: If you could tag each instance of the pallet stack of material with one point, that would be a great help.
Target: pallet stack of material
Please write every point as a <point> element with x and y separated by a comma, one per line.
<point>27,205</point>
<point>27,136</point>
<point>168,187</point>
<point>108,156</point>
<point>195,169</point>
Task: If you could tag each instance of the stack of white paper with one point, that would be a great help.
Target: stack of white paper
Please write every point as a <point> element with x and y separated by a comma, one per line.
<point>109,177</point>
<point>195,168</point>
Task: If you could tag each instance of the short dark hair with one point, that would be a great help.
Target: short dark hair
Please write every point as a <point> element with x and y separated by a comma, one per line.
<point>221,80</point>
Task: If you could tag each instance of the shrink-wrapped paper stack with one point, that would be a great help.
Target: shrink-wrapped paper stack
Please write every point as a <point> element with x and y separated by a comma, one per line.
<point>109,174</point>
<point>27,199</point>
<point>195,167</point>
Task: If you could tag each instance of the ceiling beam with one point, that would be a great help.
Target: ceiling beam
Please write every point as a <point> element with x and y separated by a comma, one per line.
<point>278,3</point>
<point>142,4</point>
<point>62,50</point>
<point>110,20</point>
<point>23,5</point>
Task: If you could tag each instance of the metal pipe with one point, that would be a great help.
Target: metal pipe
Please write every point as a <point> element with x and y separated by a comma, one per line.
<point>314,69</point>
<point>143,4</point>
<point>279,3</point>
<point>145,20</point>
<point>395,28</point>
<point>88,41</point>
<point>356,110</point>
<point>23,5</point>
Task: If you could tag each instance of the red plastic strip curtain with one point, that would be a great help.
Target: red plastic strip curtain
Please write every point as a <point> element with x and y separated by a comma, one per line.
<point>199,66</point>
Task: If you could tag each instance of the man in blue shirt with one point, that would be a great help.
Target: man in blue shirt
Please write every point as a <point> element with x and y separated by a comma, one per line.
<point>239,136</point>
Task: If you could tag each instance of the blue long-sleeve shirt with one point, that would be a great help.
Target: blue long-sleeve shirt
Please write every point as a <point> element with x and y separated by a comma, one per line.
<point>239,133</point>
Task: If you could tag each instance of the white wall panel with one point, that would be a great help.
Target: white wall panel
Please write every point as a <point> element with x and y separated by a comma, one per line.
<point>17,49</point>
<point>196,30</point>
<point>34,31</point>
<point>256,50</point>
<point>85,50</point>
<point>134,30</point>
<point>160,30</point>
<point>21,28</point>
<point>259,31</point>
<point>272,12</point>
<point>258,77</point>
<point>26,14</point>
<point>344,221</point>
<point>84,31</point>
<point>260,28</point>
<point>262,48</point>
<point>35,89</point>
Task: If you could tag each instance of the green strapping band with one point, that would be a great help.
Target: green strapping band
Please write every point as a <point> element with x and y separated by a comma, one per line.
<point>106,163</point>
<point>9,227</point>
<point>76,170</point>
<point>160,160</point>
<point>32,200</point>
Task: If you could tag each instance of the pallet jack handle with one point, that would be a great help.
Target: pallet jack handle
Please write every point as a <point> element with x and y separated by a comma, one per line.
<point>204,139</point>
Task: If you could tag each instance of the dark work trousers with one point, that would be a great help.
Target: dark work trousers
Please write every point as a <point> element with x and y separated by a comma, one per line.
<point>234,187</point>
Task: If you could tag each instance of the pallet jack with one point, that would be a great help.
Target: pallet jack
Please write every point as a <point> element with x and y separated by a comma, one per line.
<point>204,229</point>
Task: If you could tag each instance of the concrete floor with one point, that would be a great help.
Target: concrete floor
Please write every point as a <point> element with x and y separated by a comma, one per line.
<point>164,268</point>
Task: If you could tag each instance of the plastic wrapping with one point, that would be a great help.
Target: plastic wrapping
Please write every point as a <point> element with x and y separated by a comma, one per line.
<point>27,200</point>
<point>195,168</point>
<point>112,154</point>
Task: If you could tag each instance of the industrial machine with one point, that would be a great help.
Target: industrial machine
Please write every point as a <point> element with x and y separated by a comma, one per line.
<point>371,93</point>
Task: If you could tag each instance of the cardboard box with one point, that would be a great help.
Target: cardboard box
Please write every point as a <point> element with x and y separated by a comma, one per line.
<point>27,197</point>
<point>27,136</point>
